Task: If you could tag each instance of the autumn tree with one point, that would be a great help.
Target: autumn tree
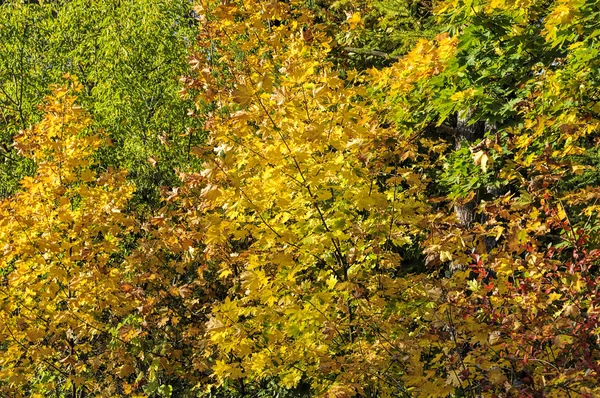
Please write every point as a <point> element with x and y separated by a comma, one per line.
<point>425,227</point>
<point>307,208</point>
<point>64,298</point>
<point>321,182</point>
<point>515,315</point>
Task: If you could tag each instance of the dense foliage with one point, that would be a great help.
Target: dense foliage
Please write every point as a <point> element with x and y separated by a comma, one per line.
<point>417,222</point>
<point>128,56</point>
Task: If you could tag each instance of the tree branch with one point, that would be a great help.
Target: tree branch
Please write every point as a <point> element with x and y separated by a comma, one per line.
<point>365,51</point>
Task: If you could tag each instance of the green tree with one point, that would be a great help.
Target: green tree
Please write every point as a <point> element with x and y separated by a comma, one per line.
<point>129,56</point>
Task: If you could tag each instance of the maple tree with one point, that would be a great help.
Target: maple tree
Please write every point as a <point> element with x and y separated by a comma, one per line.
<point>308,209</point>
<point>64,287</point>
<point>295,192</point>
<point>424,227</point>
<point>514,317</point>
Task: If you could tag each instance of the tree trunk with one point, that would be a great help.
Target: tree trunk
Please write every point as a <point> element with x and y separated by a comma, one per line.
<point>466,134</point>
